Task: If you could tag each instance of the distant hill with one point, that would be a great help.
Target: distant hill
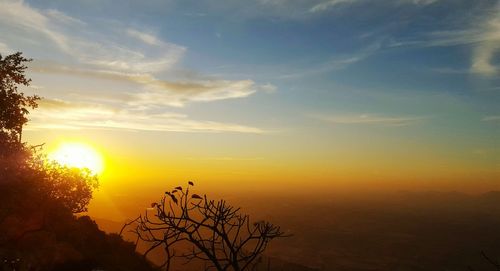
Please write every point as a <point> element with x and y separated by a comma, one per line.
<point>408,231</point>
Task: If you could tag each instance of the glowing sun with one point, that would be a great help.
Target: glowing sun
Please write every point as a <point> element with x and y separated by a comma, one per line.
<point>78,155</point>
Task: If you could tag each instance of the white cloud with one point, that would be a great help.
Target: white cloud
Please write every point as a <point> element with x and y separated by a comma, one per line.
<point>419,2</point>
<point>127,54</point>
<point>114,52</point>
<point>367,119</point>
<point>156,92</point>
<point>328,4</point>
<point>145,37</point>
<point>482,57</point>
<point>484,37</point>
<point>63,18</point>
<point>58,114</point>
<point>482,34</point>
<point>485,51</point>
<point>105,46</point>
<point>269,88</point>
<point>337,63</point>
<point>491,118</point>
<point>22,20</point>
<point>181,92</point>
<point>4,49</point>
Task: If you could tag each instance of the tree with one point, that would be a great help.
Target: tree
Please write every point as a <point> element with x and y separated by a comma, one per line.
<point>38,198</point>
<point>35,194</point>
<point>494,264</point>
<point>22,167</point>
<point>215,232</point>
<point>14,105</point>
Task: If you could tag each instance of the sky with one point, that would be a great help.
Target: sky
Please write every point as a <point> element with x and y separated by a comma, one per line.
<point>281,93</point>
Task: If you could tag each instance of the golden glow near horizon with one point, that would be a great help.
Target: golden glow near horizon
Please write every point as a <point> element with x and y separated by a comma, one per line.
<point>161,108</point>
<point>79,155</point>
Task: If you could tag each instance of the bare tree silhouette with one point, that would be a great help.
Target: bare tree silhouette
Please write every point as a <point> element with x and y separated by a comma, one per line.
<point>491,262</point>
<point>216,232</point>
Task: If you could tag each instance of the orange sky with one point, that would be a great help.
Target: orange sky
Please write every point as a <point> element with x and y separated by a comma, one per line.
<point>315,96</point>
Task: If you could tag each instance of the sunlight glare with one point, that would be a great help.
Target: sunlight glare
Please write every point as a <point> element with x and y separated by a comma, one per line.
<point>78,155</point>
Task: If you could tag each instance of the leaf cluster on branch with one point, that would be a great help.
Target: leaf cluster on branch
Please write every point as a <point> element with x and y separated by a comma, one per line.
<point>14,105</point>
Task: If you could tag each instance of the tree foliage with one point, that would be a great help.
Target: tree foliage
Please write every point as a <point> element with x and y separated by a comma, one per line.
<point>14,105</point>
<point>23,169</point>
<point>214,231</point>
<point>38,198</point>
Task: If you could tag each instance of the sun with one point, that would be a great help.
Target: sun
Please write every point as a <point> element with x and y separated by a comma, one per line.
<point>79,155</point>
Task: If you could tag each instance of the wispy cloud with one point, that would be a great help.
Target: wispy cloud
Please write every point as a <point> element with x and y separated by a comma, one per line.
<point>118,53</point>
<point>127,54</point>
<point>325,67</point>
<point>367,119</point>
<point>491,118</point>
<point>179,93</point>
<point>485,51</point>
<point>484,39</point>
<point>482,34</point>
<point>58,114</point>
<point>108,46</point>
<point>4,49</point>
<point>328,4</point>
<point>447,70</point>
<point>338,62</point>
<point>63,18</point>
<point>154,91</point>
<point>144,37</point>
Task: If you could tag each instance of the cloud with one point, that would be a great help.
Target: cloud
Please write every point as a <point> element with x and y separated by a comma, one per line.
<point>128,54</point>
<point>491,118</point>
<point>328,4</point>
<point>22,20</point>
<point>297,9</point>
<point>155,92</point>
<point>366,119</point>
<point>447,70</point>
<point>4,49</point>
<point>338,62</point>
<point>145,37</point>
<point>482,34</point>
<point>484,52</point>
<point>63,18</point>
<point>106,46</point>
<point>179,93</point>
<point>113,51</point>
<point>483,37</point>
<point>58,114</point>
<point>269,88</point>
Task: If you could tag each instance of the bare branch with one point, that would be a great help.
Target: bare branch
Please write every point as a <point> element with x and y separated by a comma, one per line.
<point>216,232</point>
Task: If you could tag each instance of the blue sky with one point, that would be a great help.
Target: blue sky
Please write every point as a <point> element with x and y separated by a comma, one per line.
<point>338,72</point>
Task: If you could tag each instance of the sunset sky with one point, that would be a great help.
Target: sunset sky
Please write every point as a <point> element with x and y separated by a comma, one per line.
<point>253,92</point>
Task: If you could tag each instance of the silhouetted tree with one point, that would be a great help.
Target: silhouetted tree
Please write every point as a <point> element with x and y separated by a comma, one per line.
<point>38,198</point>
<point>22,168</point>
<point>216,233</point>
<point>494,264</point>
<point>14,105</point>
